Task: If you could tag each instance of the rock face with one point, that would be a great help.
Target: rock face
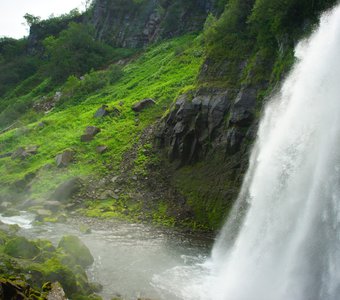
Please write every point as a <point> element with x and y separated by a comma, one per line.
<point>66,190</point>
<point>204,120</point>
<point>141,105</point>
<point>135,24</point>
<point>64,159</point>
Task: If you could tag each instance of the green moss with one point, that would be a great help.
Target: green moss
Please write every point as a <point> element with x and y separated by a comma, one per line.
<point>20,247</point>
<point>73,246</point>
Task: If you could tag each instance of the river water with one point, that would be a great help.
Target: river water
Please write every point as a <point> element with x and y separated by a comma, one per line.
<point>131,260</point>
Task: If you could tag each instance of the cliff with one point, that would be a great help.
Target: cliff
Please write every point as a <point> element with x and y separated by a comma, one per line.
<point>135,24</point>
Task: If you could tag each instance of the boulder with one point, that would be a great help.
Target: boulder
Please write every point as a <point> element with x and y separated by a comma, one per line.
<point>101,149</point>
<point>86,138</point>
<point>66,190</point>
<point>92,130</point>
<point>64,159</point>
<point>90,133</point>
<point>102,112</point>
<point>20,247</point>
<point>73,246</point>
<point>143,104</point>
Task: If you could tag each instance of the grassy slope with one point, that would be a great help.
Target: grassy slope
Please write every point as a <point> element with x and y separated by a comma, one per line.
<point>160,73</point>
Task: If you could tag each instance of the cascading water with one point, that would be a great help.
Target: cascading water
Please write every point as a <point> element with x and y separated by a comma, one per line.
<point>288,245</point>
<point>282,240</point>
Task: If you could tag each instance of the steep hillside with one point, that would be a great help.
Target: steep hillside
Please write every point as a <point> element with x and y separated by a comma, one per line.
<point>69,122</point>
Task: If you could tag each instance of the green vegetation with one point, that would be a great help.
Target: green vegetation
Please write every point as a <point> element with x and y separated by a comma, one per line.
<point>38,263</point>
<point>51,87</point>
<point>159,73</point>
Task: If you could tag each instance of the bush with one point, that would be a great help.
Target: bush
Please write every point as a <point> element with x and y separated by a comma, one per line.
<point>75,52</point>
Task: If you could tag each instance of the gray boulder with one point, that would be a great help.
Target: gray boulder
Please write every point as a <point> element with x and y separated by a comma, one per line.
<point>89,134</point>
<point>102,112</point>
<point>143,104</point>
<point>64,159</point>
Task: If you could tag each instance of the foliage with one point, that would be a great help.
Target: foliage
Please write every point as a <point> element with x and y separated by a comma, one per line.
<point>75,52</point>
<point>158,73</point>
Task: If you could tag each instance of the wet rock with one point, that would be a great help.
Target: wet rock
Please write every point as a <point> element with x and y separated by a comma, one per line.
<point>66,190</point>
<point>193,123</point>
<point>20,247</point>
<point>56,292</point>
<point>64,159</point>
<point>11,213</point>
<point>243,110</point>
<point>101,149</point>
<point>42,213</point>
<point>234,139</point>
<point>143,104</point>
<point>73,246</point>
<point>102,112</point>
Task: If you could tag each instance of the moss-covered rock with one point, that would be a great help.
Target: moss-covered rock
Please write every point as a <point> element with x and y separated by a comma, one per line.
<point>73,246</point>
<point>20,247</point>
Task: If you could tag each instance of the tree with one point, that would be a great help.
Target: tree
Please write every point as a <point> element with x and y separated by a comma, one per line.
<point>75,52</point>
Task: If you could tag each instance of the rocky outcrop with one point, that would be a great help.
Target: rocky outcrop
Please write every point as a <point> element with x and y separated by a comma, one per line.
<point>135,24</point>
<point>203,120</point>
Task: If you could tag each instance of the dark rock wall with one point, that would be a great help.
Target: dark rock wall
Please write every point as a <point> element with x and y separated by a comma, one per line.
<point>135,24</point>
<point>207,137</point>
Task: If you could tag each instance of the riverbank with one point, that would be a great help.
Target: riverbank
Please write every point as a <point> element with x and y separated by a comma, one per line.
<point>129,258</point>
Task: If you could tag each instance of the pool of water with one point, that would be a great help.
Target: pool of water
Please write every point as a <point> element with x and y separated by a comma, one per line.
<point>131,260</point>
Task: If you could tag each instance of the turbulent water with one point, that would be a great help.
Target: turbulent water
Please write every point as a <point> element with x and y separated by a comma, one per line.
<point>282,240</point>
<point>127,256</point>
<point>288,243</point>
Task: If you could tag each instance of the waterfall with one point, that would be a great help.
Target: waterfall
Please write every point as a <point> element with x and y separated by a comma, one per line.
<point>282,240</point>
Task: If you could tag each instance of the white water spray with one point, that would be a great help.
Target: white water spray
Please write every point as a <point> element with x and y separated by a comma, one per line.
<point>288,243</point>
<point>282,239</point>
